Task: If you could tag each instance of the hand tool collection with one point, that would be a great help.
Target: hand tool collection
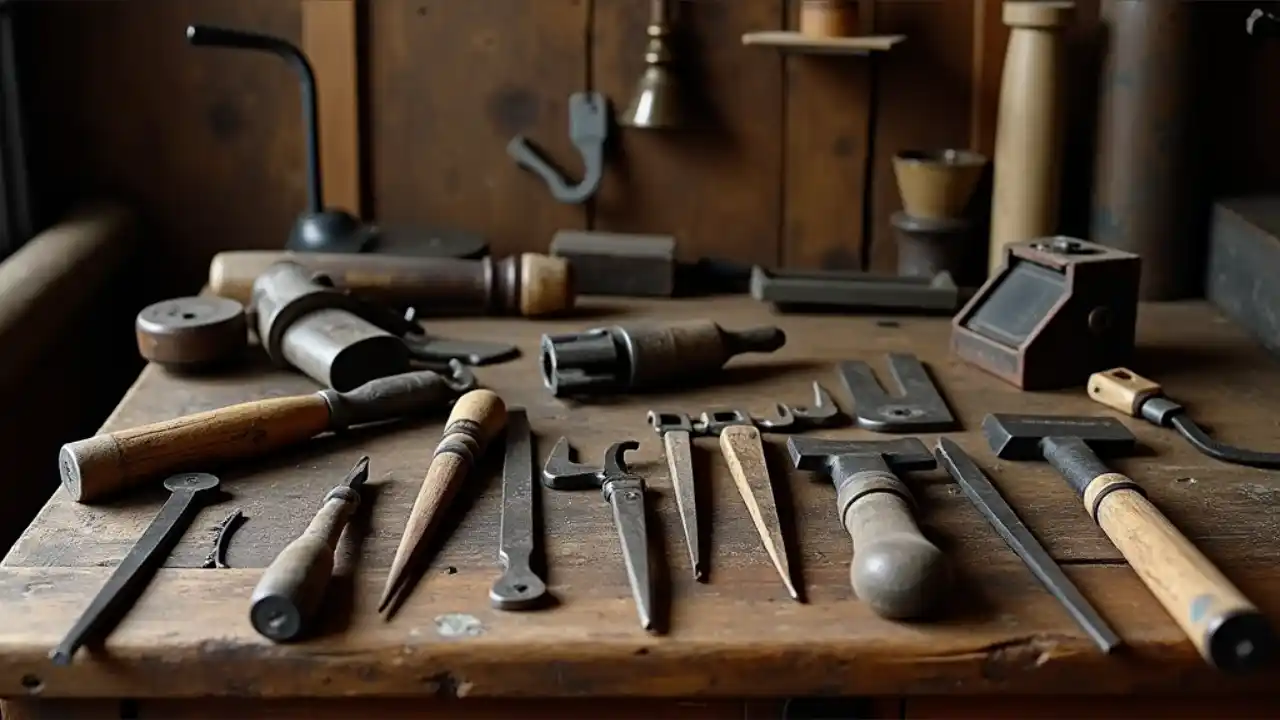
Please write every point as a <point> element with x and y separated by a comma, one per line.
<point>337,319</point>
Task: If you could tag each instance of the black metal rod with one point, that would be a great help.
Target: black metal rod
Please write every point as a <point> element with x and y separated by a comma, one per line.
<point>207,36</point>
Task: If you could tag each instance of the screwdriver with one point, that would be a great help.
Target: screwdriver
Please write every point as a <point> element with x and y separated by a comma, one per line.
<point>291,588</point>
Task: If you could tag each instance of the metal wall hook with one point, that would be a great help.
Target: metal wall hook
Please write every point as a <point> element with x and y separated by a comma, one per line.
<point>588,130</point>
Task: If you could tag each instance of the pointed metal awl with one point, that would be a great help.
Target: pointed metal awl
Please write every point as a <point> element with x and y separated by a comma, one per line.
<point>625,495</point>
<point>675,430</point>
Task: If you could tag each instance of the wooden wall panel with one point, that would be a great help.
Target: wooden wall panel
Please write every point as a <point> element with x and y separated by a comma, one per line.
<point>206,143</point>
<point>922,100</point>
<point>828,115</point>
<point>450,84</point>
<point>717,187</point>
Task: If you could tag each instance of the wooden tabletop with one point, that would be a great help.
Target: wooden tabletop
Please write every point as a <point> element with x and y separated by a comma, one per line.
<point>737,635</point>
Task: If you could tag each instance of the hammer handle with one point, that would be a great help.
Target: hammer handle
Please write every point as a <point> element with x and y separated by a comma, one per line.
<point>1217,618</point>
<point>96,467</point>
<point>476,418</point>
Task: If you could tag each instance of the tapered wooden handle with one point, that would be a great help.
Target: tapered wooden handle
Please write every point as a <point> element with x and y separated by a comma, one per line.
<point>477,417</point>
<point>744,454</point>
<point>293,585</point>
<point>1224,626</point>
<point>97,467</point>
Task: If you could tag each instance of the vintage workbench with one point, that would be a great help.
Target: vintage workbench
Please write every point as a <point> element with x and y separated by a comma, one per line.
<point>736,642</point>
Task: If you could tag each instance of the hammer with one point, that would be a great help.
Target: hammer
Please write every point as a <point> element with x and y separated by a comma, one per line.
<point>1224,626</point>
<point>895,569</point>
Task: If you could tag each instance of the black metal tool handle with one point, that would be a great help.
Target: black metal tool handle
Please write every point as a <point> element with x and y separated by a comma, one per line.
<point>209,36</point>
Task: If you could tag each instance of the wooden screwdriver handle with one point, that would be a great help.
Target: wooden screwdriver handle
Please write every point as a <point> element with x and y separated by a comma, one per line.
<point>528,284</point>
<point>97,467</point>
<point>895,569</point>
<point>1228,630</point>
<point>293,585</point>
<point>476,419</point>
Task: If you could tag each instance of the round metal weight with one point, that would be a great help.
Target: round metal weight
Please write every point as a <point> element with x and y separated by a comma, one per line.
<point>192,333</point>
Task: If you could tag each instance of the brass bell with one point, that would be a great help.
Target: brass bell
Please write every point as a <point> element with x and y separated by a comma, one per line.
<point>658,102</point>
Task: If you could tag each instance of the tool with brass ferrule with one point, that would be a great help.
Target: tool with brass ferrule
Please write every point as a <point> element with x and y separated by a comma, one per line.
<point>188,494</point>
<point>476,418</point>
<point>743,451</point>
<point>675,430</point>
<point>1225,627</point>
<point>624,491</point>
<point>519,587</point>
<point>984,496</point>
<point>1134,395</point>
<point>293,585</point>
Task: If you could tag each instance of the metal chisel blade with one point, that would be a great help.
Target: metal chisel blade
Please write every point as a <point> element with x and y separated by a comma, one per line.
<point>679,453</point>
<point>627,501</point>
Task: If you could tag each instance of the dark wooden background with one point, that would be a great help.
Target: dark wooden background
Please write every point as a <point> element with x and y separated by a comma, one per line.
<point>207,143</point>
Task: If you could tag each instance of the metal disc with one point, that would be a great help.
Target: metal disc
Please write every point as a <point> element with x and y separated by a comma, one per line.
<point>192,332</point>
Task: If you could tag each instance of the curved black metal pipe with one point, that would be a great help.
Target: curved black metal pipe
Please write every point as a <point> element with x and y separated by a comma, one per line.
<point>209,36</point>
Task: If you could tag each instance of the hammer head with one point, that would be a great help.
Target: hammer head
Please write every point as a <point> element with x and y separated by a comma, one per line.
<point>1017,437</point>
<point>900,454</point>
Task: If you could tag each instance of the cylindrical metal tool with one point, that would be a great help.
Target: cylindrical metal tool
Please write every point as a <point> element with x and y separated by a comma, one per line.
<point>95,468</point>
<point>526,284</point>
<point>1028,153</point>
<point>476,418</point>
<point>191,334</point>
<point>320,330</point>
<point>645,357</point>
<point>1139,191</point>
<point>293,585</point>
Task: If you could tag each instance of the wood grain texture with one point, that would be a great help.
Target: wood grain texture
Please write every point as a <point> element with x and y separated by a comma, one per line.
<point>453,82</point>
<point>731,636</point>
<point>205,143</point>
<point>331,40</point>
<point>743,452</point>
<point>931,69</point>
<point>828,117</point>
<point>715,187</point>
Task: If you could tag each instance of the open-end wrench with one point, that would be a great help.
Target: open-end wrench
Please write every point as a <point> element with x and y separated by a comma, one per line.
<point>190,492</point>
<point>675,429</point>
<point>519,587</point>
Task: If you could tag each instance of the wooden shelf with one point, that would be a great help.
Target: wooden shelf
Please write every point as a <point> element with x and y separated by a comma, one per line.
<point>795,42</point>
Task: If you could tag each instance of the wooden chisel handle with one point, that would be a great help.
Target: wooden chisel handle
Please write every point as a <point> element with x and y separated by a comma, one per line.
<point>1228,630</point>
<point>293,585</point>
<point>102,465</point>
<point>97,467</point>
<point>477,417</point>
<point>528,284</point>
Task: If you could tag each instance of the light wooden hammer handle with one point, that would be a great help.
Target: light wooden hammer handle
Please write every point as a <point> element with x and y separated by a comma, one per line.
<point>97,467</point>
<point>1224,626</point>
<point>476,419</point>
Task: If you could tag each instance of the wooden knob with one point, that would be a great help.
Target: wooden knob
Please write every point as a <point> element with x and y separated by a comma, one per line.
<point>895,569</point>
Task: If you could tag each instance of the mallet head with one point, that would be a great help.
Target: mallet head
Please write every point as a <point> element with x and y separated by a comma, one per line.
<point>1018,437</point>
<point>900,454</point>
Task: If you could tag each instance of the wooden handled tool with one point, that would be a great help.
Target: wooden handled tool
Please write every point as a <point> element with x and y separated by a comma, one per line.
<point>744,454</point>
<point>1228,630</point>
<point>97,467</point>
<point>527,284</point>
<point>293,585</point>
<point>895,569</point>
<point>476,418</point>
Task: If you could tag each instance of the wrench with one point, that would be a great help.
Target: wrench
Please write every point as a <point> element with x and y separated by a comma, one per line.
<point>675,429</point>
<point>189,492</point>
<point>519,588</point>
